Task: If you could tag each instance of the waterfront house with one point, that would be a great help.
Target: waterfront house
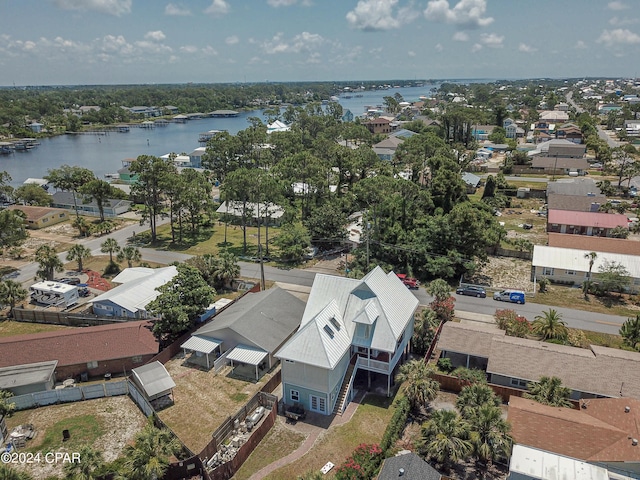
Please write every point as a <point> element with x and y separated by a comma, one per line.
<point>348,326</point>
<point>112,207</point>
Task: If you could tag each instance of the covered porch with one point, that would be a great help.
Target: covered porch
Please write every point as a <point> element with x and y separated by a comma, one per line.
<point>203,350</point>
<point>249,361</point>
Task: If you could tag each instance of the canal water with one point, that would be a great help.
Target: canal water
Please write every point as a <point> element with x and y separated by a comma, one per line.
<point>103,154</point>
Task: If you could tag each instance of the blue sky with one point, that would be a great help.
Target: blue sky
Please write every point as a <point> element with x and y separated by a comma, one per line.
<point>66,42</point>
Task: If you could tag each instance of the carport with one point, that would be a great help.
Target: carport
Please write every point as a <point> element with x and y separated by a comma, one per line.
<point>201,346</point>
<point>243,354</point>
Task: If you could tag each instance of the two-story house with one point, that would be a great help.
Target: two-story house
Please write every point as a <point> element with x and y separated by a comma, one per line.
<point>348,326</point>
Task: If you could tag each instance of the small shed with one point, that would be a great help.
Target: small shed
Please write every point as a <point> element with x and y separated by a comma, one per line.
<point>28,378</point>
<point>154,381</point>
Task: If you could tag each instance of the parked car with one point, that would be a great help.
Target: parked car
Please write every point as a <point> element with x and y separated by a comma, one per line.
<point>70,280</point>
<point>408,282</point>
<point>513,296</point>
<point>472,291</point>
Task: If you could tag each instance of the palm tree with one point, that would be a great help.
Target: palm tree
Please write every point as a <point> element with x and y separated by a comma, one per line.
<point>7,473</point>
<point>445,438</point>
<point>549,391</point>
<point>12,292</point>
<point>85,469</point>
<point>110,246</point>
<point>78,253</point>
<point>82,225</point>
<point>630,332</point>
<point>227,269</point>
<point>489,434</point>
<point>474,396</point>
<point>591,256</point>
<point>49,262</point>
<point>419,387</point>
<point>130,254</point>
<point>550,325</point>
<point>148,458</point>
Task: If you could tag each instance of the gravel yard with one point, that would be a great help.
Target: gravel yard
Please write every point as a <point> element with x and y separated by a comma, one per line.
<point>504,272</point>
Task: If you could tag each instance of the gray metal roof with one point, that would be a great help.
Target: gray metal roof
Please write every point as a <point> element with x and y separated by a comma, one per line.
<point>201,344</point>
<point>26,374</point>
<point>265,319</point>
<point>153,378</point>
<point>245,354</point>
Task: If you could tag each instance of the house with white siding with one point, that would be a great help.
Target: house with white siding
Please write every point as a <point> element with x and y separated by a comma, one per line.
<point>348,326</point>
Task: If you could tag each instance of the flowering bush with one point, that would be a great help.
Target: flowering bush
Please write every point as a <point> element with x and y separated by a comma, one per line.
<point>513,324</point>
<point>444,309</point>
<point>362,464</point>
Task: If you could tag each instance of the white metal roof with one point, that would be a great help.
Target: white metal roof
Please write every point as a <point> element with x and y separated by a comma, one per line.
<point>153,378</point>
<point>572,259</point>
<point>201,344</point>
<point>136,294</point>
<point>539,464</point>
<point>133,273</point>
<point>245,354</point>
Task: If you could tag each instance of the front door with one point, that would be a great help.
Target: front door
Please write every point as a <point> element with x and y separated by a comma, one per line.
<point>317,404</point>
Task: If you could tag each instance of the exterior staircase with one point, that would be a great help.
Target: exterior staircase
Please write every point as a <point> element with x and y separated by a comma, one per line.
<point>344,390</point>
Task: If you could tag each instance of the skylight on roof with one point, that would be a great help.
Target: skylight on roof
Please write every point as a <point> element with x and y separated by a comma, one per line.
<point>335,323</point>
<point>327,329</point>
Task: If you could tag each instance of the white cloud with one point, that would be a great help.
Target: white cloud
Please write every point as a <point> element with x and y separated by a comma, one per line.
<point>156,35</point>
<point>466,13</point>
<point>523,47</point>
<point>304,41</point>
<point>232,40</point>
<point>176,10</point>
<point>218,8</point>
<point>580,45</point>
<point>619,36</point>
<point>620,22</point>
<point>461,37</point>
<point>476,48</point>
<point>617,5</point>
<point>189,49</point>
<point>411,53</point>
<point>439,47</point>
<point>112,7</point>
<point>209,51</point>
<point>281,3</point>
<point>373,15</point>
<point>492,40</point>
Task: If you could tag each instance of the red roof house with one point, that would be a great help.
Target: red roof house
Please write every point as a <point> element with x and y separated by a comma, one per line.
<point>93,351</point>
<point>584,223</point>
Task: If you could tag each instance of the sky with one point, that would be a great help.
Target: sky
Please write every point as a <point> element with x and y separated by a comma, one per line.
<point>87,42</point>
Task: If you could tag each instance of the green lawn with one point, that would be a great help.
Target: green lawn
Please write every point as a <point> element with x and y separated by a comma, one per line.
<point>9,328</point>
<point>84,430</point>
<point>559,296</point>
<point>367,426</point>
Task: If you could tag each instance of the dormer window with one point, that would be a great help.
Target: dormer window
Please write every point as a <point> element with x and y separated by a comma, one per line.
<point>363,330</point>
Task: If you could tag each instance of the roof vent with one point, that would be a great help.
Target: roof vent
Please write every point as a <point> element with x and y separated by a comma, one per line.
<point>627,409</point>
<point>401,472</point>
<point>634,441</point>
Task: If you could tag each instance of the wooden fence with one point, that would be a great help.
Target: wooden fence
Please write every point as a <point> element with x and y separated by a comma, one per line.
<point>65,318</point>
<point>507,252</point>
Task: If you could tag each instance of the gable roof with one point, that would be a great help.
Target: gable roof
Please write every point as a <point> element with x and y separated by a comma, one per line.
<point>153,378</point>
<point>587,219</point>
<point>412,465</point>
<point>470,179</point>
<point>575,203</point>
<point>560,162</point>
<point>599,244</point>
<point>598,370</point>
<point>574,259</point>
<point>265,319</point>
<point>390,142</point>
<point>574,186</point>
<point>34,213</point>
<point>73,346</point>
<point>135,294</point>
<point>601,431</point>
<point>378,299</point>
<point>66,198</point>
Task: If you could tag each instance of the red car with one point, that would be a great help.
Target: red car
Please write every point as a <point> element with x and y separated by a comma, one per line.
<point>408,282</point>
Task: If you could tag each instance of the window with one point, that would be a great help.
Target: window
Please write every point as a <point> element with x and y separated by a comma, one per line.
<point>136,359</point>
<point>516,382</point>
<point>362,330</point>
<point>295,395</point>
<point>547,271</point>
<point>571,272</point>
<point>93,364</point>
<point>289,361</point>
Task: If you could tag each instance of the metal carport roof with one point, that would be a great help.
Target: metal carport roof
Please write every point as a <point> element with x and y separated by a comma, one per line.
<point>245,354</point>
<point>201,344</point>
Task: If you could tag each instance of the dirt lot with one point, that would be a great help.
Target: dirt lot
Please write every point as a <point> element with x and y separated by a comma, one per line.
<point>114,420</point>
<point>203,400</point>
<point>504,272</point>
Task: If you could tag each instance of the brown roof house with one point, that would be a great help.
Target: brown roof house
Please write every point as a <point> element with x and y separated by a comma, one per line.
<point>514,362</point>
<point>40,217</point>
<point>604,431</point>
<point>596,244</point>
<point>84,352</point>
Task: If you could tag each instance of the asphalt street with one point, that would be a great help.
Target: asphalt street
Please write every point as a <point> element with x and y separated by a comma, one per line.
<point>574,318</point>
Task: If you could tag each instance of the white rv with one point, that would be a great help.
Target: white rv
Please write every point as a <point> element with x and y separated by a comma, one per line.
<point>54,294</point>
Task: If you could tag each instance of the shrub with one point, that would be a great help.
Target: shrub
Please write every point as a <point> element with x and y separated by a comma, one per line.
<point>577,338</point>
<point>445,365</point>
<point>543,283</point>
<point>396,424</point>
<point>467,376</point>
<point>362,464</point>
<point>513,324</point>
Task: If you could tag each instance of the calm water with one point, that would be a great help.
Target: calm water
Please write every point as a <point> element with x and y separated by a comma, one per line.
<point>104,153</point>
